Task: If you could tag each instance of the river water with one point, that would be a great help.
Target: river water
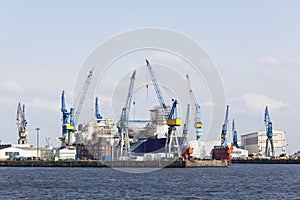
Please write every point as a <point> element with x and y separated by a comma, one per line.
<point>238,181</point>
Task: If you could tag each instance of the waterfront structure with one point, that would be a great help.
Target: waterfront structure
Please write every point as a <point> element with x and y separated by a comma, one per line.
<point>16,151</point>
<point>255,142</point>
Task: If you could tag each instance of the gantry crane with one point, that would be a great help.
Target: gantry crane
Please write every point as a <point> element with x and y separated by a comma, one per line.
<point>234,134</point>
<point>97,113</point>
<point>82,95</point>
<point>224,129</point>
<point>22,124</point>
<point>269,132</point>
<point>196,110</point>
<point>123,123</point>
<point>171,117</point>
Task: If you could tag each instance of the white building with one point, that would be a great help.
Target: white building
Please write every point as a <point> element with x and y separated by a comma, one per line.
<point>15,152</point>
<point>255,142</point>
<point>67,153</point>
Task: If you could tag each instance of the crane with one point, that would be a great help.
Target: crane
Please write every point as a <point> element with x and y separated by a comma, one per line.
<point>234,134</point>
<point>83,94</point>
<point>186,123</point>
<point>172,140</point>
<point>171,117</point>
<point>22,124</point>
<point>97,113</point>
<point>67,126</point>
<point>157,89</point>
<point>196,110</point>
<point>224,129</point>
<point>269,132</point>
<point>123,123</point>
<point>186,127</point>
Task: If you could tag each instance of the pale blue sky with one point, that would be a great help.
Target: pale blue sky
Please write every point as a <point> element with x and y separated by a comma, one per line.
<point>255,45</point>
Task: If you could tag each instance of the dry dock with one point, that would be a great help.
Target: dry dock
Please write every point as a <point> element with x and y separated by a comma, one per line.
<point>118,164</point>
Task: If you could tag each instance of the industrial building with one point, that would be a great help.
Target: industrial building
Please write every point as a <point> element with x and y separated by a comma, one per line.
<point>16,151</point>
<point>255,142</point>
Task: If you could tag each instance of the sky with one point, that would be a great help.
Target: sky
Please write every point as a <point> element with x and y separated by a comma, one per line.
<point>254,44</point>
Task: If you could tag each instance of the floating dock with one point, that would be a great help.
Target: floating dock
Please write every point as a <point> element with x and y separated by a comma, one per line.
<point>118,164</point>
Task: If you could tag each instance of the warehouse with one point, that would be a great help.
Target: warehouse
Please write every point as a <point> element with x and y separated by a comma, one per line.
<point>255,142</point>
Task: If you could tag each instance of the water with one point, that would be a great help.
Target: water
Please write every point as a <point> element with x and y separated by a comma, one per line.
<point>234,182</point>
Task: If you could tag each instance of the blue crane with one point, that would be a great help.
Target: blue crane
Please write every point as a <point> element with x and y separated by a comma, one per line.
<point>269,133</point>
<point>172,140</point>
<point>224,129</point>
<point>83,94</point>
<point>196,111</point>
<point>23,114</point>
<point>186,123</point>
<point>67,127</point>
<point>171,117</point>
<point>234,134</point>
<point>123,123</point>
<point>97,113</point>
<point>157,89</point>
<point>65,114</point>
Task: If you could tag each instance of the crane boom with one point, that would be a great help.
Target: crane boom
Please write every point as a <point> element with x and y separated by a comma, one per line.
<point>83,94</point>
<point>157,89</point>
<point>196,110</point>
<point>224,128</point>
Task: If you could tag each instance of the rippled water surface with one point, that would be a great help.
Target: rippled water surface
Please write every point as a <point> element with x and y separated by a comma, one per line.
<point>234,182</point>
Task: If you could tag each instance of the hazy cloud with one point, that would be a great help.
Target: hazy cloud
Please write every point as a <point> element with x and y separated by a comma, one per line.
<point>270,60</point>
<point>258,102</point>
<point>44,104</point>
<point>12,86</point>
<point>273,61</point>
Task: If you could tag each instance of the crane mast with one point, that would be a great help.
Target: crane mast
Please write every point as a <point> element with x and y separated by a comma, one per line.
<point>234,134</point>
<point>83,94</point>
<point>269,133</point>
<point>196,110</point>
<point>224,129</point>
<point>123,123</point>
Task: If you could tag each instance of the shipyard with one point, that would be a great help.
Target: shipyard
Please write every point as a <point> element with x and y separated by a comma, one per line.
<point>107,142</point>
<point>153,100</point>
